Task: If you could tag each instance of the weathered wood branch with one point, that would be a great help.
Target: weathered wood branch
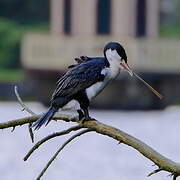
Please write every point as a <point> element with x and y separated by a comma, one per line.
<point>56,134</point>
<point>25,108</point>
<point>60,149</point>
<point>163,163</point>
<point>154,172</point>
<point>31,119</point>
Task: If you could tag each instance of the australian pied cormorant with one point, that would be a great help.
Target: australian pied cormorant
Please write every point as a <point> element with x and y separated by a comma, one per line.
<point>84,81</point>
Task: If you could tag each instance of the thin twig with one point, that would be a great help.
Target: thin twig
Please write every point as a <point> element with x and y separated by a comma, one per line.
<point>57,116</point>
<point>13,128</point>
<point>39,143</point>
<point>60,149</point>
<point>154,172</point>
<point>175,176</point>
<point>31,132</point>
<point>26,109</point>
<point>21,102</point>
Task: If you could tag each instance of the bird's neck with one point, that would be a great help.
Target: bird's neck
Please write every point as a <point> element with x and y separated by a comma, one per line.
<point>113,68</point>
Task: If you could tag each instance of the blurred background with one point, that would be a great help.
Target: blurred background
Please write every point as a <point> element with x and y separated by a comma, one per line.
<point>40,39</point>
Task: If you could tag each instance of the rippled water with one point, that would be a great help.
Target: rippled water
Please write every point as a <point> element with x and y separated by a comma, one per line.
<point>91,156</point>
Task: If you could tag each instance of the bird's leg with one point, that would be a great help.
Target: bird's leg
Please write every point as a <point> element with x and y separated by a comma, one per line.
<point>84,104</point>
<point>86,115</point>
<point>81,115</point>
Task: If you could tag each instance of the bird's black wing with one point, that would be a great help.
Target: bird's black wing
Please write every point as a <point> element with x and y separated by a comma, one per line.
<point>80,77</point>
<point>80,60</point>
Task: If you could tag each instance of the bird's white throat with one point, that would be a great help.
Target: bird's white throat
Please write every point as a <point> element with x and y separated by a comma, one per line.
<point>110,73</point>
<point>113,58</point>
<point>112,55</point>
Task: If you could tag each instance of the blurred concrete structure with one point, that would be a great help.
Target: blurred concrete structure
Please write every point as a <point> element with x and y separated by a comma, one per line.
<point>127,17</point>
<point>82,27</point>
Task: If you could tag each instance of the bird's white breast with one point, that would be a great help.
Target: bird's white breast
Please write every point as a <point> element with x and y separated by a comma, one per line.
<point>109,73</point>
<point>93,90</point>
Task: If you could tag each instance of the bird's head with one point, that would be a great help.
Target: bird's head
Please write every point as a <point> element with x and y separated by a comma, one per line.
<point>114,52</point>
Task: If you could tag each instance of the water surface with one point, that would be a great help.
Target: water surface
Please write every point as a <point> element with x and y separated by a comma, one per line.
<point>91,156</point>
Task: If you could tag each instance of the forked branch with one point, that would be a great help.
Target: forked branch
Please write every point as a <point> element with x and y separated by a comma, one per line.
<point>60,149</point>
<point>163,163</point>
<point>42,141</point>
<point>25,108</point>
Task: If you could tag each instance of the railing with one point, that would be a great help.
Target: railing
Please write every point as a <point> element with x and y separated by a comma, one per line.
<point>44,51</point>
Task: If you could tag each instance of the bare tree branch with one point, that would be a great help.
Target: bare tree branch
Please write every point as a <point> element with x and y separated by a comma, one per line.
<point>31,132</point>
<point>154,172</point>
<point>174,175</point>
<point>31,119</point>
<point>60,149</point>
<point>161,161</point>
<point>18,122</point>
<point>26,109</point>
<point>39,143</point>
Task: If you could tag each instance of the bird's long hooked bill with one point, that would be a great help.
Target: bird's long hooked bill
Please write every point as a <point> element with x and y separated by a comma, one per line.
<point>127,68</point>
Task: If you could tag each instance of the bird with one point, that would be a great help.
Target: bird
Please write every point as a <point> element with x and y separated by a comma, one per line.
<point>84,81</point>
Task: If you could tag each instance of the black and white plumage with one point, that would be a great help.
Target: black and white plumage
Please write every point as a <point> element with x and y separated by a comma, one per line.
<point>84,81</point>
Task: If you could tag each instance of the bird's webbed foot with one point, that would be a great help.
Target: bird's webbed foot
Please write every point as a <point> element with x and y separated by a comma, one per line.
<point>87,119</point>
<point>85,116</point>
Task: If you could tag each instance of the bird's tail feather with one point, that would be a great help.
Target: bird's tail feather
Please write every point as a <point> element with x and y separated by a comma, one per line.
<point>44,118</point>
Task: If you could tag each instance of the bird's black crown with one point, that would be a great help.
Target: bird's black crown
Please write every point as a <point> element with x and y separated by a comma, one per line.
<point>118,47</point>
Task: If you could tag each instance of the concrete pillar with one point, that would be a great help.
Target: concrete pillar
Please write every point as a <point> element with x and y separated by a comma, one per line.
<point>123,17</point>
<point>84,17</point>
<point>152,18</point>
<point>56,16</point>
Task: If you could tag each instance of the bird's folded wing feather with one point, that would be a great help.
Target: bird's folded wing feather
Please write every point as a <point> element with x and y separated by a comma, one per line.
<point>79,78</point>
<point>80,60</point>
